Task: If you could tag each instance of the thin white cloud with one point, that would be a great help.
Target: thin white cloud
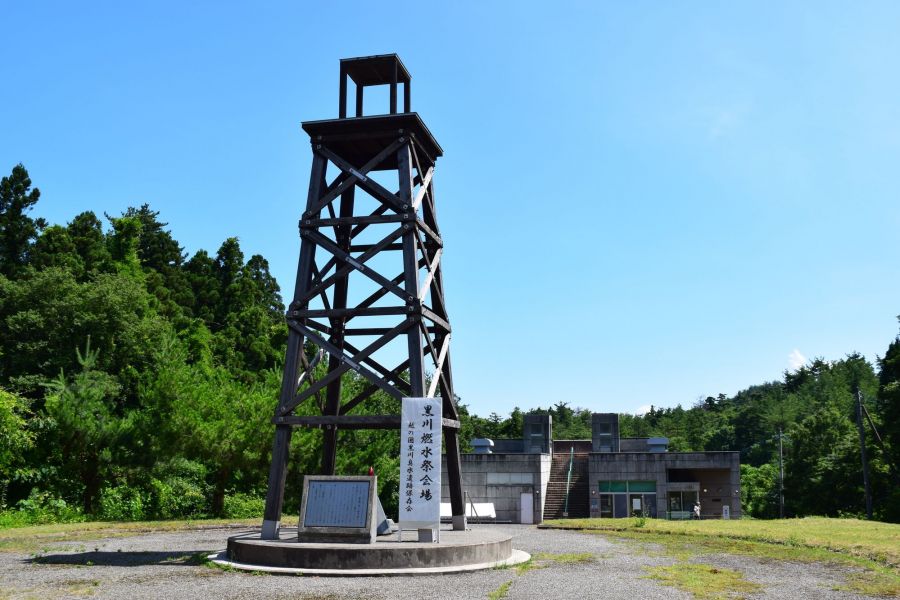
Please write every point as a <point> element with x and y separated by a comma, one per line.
<point>642,410</point>
<point>724,120</point>
<point>796,359</point>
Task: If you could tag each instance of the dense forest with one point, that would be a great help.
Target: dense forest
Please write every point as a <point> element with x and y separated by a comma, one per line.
<point>811,411</point>
<point>139,383</point>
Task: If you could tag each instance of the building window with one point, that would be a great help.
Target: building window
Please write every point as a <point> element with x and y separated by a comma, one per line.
<point>637,487</point>
<point>627,498</point>
<point>681,504</point>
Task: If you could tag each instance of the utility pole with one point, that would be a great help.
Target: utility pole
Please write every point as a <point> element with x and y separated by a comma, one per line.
<point>862,452</point>
<point>780,475</point>
<point>887,457</point>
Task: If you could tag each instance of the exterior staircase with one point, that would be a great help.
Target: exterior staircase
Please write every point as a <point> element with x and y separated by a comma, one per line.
<point>579,494</point>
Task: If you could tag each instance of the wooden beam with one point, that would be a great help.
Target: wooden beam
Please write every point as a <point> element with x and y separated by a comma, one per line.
<point>290,377</point>
<point>432,268</point>
<point>430,233</point>
<point>389,376</point>
<point>353,175</point>
<point>364,247</point>
<point>318,313</point>
<point>382,208</point>
<point>352,421</point>
<point>420,177</point>
<point>371,389</point>
<point>394,90</point>
<point>439,367</point>
<point>411,275</point>
<point>359,175</point>
<point>368,220</point>
<point>347,362</point>
<point>423,189</point>
<point>361,259</point>
<point>353,263</point>
<point>333,391</point>
<point>436,319</point>
<point>342,95</point>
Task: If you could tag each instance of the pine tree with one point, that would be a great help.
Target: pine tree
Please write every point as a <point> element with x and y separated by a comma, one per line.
<point>17,229</point>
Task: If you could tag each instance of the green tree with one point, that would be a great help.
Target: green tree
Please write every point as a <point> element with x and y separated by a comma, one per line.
<point>201,270</point>
<point>90,426</point>
<point>266,292</point>
<point>17,229</point>
<point>162,259</point>
<point>156,248</point>
<point>208,414</point>
<point>54,248</point>
<point>86,233</point>
<point>888,415</point>
<point>46,315</point>
<point>888,403</point>
<point>759,491</point>
<point>123,243</point>
<point>15,439</point>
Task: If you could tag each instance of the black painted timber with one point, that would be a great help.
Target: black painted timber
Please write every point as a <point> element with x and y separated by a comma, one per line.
<point>358,139</point>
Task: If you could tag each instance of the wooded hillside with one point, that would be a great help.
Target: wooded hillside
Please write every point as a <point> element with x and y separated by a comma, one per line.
<point>137,382</point>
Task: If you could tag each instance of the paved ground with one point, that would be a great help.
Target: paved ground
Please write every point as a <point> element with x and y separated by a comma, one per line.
<point>164,566</point>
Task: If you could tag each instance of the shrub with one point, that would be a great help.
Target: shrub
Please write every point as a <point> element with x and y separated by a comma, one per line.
<point>121,503</point>
<point>179,490</point>
<point>243,506</point>
<point>38,509</point>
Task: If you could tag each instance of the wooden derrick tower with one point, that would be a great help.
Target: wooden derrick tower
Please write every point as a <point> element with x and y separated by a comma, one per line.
<point>369,292</point>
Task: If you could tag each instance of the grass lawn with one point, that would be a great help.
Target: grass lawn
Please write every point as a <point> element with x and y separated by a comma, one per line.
<point>39,537</point>
<point>876,541</point>
<point>870,549</point>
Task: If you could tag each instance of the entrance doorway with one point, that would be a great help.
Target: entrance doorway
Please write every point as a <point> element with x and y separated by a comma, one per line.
<point>681,504</point>
<point>526,509</point>
<point>606,506</point>
<point>636,504</point>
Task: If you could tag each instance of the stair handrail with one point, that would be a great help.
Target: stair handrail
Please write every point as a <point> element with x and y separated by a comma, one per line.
<point>471,505</point>
<point>569,481</point>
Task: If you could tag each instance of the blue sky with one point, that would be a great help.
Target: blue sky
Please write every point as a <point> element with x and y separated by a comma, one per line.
<point>642,203</point>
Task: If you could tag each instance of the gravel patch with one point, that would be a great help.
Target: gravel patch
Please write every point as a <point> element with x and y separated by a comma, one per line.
<point>164,565</point>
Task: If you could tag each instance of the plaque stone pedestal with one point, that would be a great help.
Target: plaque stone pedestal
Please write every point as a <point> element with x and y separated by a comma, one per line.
<point>483,547</point>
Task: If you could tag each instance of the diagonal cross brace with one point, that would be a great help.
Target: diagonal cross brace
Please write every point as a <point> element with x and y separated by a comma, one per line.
<point>341,254</point>
<point>359,179</point>
<point>353,177</point>
<point>361,259</point>
<point>347,362</point>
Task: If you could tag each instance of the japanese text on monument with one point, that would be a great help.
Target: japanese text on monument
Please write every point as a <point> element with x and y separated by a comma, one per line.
<point>337,504</point>
<point>420,460</point>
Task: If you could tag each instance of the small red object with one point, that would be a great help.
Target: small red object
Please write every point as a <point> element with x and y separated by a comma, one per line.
<point>371,472</point>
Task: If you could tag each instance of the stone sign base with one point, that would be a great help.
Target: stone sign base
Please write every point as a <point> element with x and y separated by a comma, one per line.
<point>482,548</point>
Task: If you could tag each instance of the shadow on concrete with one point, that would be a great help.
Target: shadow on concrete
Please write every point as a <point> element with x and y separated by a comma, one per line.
<point>183,558</point>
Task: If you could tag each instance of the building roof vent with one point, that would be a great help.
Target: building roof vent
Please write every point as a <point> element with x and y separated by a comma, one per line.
<point>482,445</point>
<point>658,444</point>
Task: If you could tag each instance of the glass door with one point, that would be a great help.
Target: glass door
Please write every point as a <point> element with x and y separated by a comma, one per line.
<point>636,504</point>
<point>606,506</point>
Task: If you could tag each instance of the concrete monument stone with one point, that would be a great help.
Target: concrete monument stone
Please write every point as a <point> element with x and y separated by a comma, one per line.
<point>338,509</point>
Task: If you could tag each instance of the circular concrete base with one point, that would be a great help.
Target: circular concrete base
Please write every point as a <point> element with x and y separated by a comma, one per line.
<point>458,551</point>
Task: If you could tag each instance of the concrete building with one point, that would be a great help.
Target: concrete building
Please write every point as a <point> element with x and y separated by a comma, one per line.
<point>536,477</point>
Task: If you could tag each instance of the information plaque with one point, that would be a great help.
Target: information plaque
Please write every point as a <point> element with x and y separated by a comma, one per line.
<point>338,509</point>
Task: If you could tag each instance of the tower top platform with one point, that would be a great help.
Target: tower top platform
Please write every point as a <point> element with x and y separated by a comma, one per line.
<point>384,69</point>
<point>375,70</point>
<point>359,139</point>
